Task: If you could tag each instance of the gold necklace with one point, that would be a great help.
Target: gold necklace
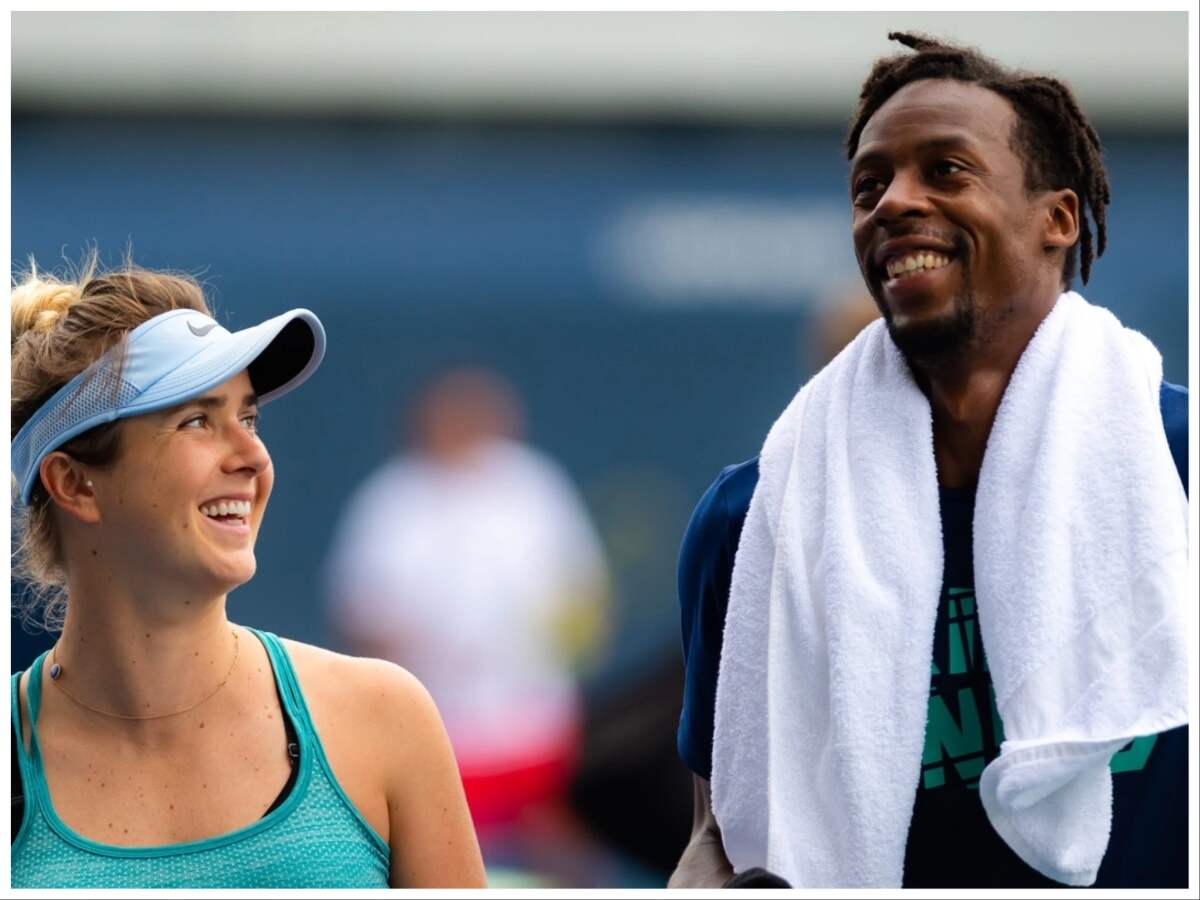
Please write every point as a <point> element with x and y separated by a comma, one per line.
<point>56,671</point>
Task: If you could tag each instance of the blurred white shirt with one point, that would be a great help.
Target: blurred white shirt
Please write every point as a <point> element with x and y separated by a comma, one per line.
<point>459,573</point>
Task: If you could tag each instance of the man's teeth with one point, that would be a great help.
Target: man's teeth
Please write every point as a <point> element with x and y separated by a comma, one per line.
<point>227,508</point>
<point>913,262</point>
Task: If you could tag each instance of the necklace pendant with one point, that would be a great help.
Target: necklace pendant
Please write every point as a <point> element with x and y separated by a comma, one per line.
<point>55,671</point>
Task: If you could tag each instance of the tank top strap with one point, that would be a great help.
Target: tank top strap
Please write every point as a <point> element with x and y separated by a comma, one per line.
<point>312,749</point>
<point>285,677</point>
<point>15,705</point>
<point>30,771</point>
<point>33,690</point>
<point>16,719</point>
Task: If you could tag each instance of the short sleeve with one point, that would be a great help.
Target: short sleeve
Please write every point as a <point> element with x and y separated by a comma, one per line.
<point>1173,403</point>
<point>705,571</point>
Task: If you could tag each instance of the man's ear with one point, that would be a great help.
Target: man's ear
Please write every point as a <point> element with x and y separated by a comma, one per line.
<point>69,487</point>
<point>1061,219</point>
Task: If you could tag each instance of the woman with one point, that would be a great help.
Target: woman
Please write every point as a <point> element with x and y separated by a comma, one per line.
<point>161,745</point>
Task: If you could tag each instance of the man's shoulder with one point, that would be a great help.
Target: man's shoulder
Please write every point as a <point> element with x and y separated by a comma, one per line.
<point>722,508</point>
<point>716,523</point>
<point>710,543</point>
<point>724,504</point>
<point>705,569</point>
<point>1173,403</point>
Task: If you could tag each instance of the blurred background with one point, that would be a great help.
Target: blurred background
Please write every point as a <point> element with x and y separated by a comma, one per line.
<point>632,229</point>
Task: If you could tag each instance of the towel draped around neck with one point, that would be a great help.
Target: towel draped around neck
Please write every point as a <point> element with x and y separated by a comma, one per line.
<point>1080,548</point>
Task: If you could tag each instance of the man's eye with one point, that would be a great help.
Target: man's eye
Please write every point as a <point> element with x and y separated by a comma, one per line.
<point>945,168</point>
<point>192,422</point>
<point>866,185</point>
<point>250,420</point>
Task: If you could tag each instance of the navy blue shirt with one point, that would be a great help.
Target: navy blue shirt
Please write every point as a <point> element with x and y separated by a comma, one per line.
<point>950,842</point>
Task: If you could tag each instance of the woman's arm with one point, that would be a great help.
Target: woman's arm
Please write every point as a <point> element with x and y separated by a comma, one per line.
<point>432,839</point>
<point>389,751</point>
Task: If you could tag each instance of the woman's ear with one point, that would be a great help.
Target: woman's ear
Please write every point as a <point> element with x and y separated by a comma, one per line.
<point>69,487</point>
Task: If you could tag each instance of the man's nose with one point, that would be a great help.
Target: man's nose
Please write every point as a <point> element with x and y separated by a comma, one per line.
<point>905,197</point>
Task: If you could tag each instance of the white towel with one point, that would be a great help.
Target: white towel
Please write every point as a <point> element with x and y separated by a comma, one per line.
<point>1080,579</point>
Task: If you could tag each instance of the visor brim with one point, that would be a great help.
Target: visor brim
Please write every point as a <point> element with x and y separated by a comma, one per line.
<point>279,354</point>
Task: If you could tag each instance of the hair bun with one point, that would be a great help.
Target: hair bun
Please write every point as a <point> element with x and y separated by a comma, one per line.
<point>38,304</point>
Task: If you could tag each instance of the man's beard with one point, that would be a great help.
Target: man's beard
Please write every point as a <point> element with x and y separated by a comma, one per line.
<point>942,341</point>
<point>936,343</point>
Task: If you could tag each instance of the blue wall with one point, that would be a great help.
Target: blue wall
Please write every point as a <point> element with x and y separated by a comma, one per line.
<point>421,246</point>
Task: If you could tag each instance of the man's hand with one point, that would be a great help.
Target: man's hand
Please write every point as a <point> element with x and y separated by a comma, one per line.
<point>703,863</point>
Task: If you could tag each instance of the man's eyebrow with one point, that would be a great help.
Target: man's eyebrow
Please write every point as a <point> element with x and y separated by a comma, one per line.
<point>934,145</point>
<point>950,142</point>
<point>865,158</point>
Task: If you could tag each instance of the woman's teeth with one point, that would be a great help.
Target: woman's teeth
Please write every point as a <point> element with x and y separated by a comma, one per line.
<point>239,508</point>
<point>915,262</point>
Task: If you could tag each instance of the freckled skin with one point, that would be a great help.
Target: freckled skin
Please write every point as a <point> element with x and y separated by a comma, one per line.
<point>146,503</point>
<point>387,748</point>
<point>171,462</point>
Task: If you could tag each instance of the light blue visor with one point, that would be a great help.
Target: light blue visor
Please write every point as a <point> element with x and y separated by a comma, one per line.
<point>168,360</point>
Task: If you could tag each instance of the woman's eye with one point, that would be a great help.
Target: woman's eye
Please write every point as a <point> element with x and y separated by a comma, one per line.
<point>192,422</point>
<point>250,420</point>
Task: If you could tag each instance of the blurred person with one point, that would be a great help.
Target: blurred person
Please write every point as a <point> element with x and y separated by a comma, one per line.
<point>158,744</point>
<point>842,317</point>
<point>996,465</point>
<point>471,560</point>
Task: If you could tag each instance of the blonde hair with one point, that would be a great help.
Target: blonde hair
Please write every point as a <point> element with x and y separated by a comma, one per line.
<point>60,326</point>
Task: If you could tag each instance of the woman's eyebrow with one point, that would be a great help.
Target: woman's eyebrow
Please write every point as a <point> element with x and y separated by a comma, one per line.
<point>217,402</point>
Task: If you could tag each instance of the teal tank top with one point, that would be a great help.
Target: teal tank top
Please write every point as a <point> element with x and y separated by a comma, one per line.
<point>315,838</point>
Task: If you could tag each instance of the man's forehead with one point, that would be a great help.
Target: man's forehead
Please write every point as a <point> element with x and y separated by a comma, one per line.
<point>939,110</point>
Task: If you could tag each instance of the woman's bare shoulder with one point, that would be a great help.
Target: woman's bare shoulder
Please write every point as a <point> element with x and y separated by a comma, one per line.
<point>389,751</point>
<point>353,689</point>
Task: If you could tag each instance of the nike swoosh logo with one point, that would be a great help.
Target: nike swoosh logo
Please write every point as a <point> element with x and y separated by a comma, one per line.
<point>202,330</point>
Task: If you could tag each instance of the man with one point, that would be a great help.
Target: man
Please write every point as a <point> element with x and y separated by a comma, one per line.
<point>971,187</point>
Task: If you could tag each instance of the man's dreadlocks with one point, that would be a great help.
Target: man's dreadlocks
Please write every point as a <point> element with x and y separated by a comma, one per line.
<point>1058,145</point>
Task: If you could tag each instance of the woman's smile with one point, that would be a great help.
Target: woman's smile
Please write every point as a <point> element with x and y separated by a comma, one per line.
<point>228,514</point>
